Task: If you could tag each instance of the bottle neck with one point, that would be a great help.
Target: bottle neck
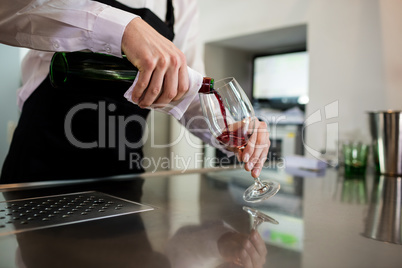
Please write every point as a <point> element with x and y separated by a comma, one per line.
<point>207,86</point>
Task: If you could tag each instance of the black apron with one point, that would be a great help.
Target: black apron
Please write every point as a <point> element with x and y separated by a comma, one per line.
<point>101,119</point>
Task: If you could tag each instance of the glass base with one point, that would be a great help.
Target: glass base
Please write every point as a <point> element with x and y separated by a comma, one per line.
<point>256,193</point>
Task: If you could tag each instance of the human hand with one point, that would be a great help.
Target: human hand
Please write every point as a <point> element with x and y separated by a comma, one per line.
<point>242,250</point>
<point>255,153</point>
<point>163,73</point>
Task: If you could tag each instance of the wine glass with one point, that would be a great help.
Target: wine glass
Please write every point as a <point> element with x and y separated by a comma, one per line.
<point>259,217</point>
<point>231,120</point>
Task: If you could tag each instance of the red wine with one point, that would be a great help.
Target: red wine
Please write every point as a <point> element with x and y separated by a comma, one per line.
<point>207,87</point>
<point>233,139</point>
<point>229,138</point>
<point>222,107</point>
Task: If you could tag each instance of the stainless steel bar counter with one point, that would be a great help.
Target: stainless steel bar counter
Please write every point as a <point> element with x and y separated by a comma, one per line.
<point>172,219</point>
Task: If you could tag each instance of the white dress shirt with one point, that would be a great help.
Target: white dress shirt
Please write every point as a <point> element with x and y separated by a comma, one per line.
<point>47,26</point>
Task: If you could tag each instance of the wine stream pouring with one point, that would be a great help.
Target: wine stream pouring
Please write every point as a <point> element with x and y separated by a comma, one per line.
<point>229,137</point>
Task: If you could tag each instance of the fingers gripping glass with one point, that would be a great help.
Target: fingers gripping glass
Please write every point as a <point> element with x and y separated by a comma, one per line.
<point>230,117</point>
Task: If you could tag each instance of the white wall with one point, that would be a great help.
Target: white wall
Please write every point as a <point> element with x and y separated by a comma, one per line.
<point>346,65</point>
<point>10,81</point>
<point>230,18</point>
<point>354,53</point>
<point>391,41</point>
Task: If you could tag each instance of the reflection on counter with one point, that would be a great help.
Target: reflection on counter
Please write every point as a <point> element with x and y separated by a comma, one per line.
<point>199,221</point>
<point>383,221</point>
<point>258,217</point>
<point>284,236</point>
<point>109,243</point>
<point>354,190</point>
<point>289,235</point>
<point>288,201</point>
<point>215,244</point>
<point>286,208</point>
<point>300,172</point>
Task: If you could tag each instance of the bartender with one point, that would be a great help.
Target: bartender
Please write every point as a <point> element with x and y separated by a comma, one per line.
<point>158,37</point>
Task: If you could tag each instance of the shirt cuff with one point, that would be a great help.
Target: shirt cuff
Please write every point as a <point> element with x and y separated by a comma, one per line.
<point>109,29</point>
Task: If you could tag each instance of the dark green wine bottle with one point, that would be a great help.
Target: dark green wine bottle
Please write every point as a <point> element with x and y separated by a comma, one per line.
<point>74,68</point>
<point>96,69</point>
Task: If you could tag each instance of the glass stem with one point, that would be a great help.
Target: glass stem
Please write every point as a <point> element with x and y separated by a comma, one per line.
<point>257,221</point>
<point>258,183</point>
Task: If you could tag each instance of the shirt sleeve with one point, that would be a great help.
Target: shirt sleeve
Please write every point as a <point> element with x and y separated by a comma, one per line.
<point>55,25</point>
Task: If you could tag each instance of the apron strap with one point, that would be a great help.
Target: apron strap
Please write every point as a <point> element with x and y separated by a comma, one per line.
<point>170,15</point>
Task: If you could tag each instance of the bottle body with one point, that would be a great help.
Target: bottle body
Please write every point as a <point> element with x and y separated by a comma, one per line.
<point>96,69</point>
<point>77,68</point>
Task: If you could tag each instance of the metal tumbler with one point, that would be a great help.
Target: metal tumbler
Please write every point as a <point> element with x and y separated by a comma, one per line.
<point>386,132</point>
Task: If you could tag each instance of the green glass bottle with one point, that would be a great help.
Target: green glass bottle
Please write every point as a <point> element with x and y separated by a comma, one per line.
<point>96,69</point>
<point>74,68</point>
